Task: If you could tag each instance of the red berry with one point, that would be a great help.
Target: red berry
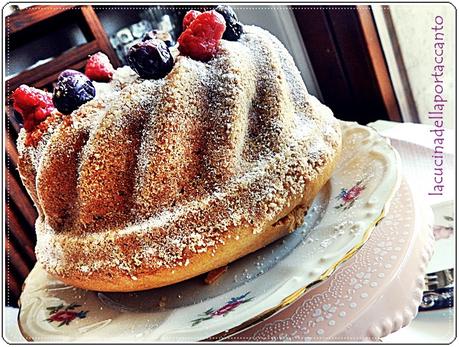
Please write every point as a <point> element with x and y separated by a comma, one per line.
<point>99,68</point>
<point>201,39</point>
<point>33,104</point>
<point>189,17</point>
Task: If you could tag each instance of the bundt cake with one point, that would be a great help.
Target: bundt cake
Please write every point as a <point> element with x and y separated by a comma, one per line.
<point>154,181</point>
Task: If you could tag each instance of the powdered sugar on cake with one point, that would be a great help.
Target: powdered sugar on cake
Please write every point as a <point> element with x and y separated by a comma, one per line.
<point>166,168</point>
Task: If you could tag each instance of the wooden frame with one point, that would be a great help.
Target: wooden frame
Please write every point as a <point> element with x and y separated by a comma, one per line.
<point>43,75</point>
<point>395,62</point>
<point>379,63</point>
<point>348,61</point>
<point>23,19</point>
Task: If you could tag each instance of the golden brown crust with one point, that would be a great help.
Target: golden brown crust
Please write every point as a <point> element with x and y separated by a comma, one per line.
<point>287,221</point>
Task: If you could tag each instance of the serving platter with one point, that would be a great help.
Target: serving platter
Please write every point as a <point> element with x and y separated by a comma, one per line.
<point>338,223</point>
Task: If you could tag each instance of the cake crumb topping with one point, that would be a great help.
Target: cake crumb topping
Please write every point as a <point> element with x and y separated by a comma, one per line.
<point>151,172</point>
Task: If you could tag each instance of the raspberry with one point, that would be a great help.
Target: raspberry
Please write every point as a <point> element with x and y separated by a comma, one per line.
<point>200,40</point>
<point>33,104</point>
<point>99,68</point>
<point>189,17</point>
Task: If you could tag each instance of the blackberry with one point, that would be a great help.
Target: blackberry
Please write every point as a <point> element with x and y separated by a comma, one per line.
<point>234,29</point>
<point>151,59</point>
<point>160,35</point>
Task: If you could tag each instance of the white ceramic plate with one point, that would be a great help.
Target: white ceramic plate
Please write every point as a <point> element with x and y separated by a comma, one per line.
<point>337,225</point>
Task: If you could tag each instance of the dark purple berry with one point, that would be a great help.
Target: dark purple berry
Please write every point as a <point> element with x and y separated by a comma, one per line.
<point>151,59</point>
<point>227,12</point>
<point>160,35</point>
<point>72,90</point>
<point>233,31</point>
<point>234,28</point>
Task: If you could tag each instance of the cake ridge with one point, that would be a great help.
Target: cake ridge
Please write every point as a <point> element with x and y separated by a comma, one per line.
<point>158,171</point>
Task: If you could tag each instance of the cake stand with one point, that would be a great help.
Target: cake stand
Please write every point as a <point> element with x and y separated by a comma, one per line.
<point>258,289</point>
<point>373,294</point>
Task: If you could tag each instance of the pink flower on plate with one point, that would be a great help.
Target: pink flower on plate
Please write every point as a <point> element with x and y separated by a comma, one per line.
<point>353,193</point>
<point>65,314</point>
<point>231,305</point>
<point>227,308</point>
<point>349,196</point>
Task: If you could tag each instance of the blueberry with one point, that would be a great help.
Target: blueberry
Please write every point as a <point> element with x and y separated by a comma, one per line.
<point>72,90</point>
<point>160,35</point>
<point>234,28</point>
<point>150,59</point>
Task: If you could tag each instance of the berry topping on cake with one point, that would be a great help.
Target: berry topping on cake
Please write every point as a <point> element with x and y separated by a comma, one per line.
<point>33,104</point>
<point>200,40</point>
<point>151,59</point>
<point>73,89</point>
<point>189,17</point>
<point>234,28</point>
<point>99,68</point>
<point>160,35</point>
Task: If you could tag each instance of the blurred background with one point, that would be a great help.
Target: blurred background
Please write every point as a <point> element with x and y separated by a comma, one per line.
<point>366,63</point>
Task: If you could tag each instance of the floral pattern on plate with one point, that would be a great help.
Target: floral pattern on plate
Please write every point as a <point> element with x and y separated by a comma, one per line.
<point>347,197</point>
<point>231,305</point>
<point>65,314</point>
